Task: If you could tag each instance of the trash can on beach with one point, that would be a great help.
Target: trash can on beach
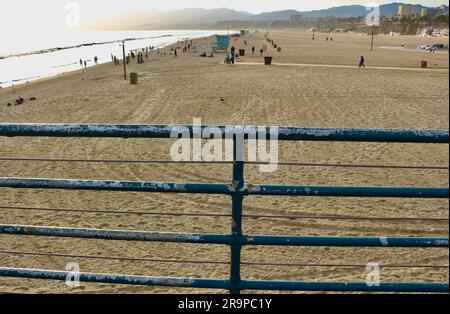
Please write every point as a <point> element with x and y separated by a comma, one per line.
<point>267,60</point>
<point>241,52</point>
<point>424,64</point>
<point>133,78</point>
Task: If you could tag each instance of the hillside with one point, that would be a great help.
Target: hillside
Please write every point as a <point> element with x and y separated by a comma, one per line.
<point>201,18</point>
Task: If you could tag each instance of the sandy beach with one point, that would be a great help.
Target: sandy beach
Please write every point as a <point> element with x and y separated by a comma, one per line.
<point>311,84</point>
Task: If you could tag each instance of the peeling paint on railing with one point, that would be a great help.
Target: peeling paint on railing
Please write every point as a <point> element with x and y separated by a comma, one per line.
<point>222,239</point>
<point>284,133</point>
<point>129,186</point>
<point>237,190</point>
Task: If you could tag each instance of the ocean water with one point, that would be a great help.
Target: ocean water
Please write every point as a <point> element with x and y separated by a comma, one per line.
<point>30,58</point>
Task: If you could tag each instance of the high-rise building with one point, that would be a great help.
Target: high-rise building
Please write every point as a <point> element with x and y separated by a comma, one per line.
<point>423,12</point>
<point>408,10</point>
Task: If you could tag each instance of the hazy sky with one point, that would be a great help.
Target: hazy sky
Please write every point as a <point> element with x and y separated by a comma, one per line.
<point>26,15</point>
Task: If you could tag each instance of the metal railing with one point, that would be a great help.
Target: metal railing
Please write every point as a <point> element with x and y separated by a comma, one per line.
<point>237,190</point>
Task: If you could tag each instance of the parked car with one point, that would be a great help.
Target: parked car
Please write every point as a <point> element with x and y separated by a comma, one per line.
<point>433,46</point>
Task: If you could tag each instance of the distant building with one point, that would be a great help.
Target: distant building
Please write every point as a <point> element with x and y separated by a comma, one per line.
<point>423,12</point>
<point>431,31</point>
<point>407,10</point>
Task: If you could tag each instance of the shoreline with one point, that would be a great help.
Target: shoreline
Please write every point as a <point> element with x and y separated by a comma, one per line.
<point>54,49</point>
<point>13,88</point>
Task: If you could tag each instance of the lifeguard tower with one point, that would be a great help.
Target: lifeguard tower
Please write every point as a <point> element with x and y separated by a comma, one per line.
<point>222,42</point>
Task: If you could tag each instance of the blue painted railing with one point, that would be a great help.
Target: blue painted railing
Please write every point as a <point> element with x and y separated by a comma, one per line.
<point>238,189</point>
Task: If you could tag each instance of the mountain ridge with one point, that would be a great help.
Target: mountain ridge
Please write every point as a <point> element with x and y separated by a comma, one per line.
<point>194,17</point>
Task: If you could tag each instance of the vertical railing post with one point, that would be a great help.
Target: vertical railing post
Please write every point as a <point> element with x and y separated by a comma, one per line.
<point>236,213</point>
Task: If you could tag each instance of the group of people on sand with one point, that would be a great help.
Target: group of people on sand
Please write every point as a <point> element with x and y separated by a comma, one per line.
<point>139,55</point>
<point>187,45</point>
<point>83,63</point>
<point>261,51</point>
<point>229,59</point>
<point>187,48</point>
<point>115,59</point>
<point>203,55</point>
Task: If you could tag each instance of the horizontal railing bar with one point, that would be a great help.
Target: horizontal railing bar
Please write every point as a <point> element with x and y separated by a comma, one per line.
<point>301,164</point>
<point>347,241</point>
<point>223,239</point>
<point>331,165</point>
<point>128,186</point>
<point>250,216</point>
<point>124,161</point>
<point>116,279</point>
<point>208,188</point>
<point>341,265</point>
<point>343,286</point>
<point>115,234</point>
<point>289,217</point>
<point>222,284</point>
<point>135,259</point>
<point>284,133</point>
<point>348,191</point>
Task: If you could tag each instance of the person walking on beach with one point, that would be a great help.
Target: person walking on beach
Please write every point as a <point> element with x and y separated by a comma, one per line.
<point>85,64</point>
<point>253,50</point>
<point>175,53</point>
<point>96,60</point>
<point>81,62</point>
<point>362,62</point>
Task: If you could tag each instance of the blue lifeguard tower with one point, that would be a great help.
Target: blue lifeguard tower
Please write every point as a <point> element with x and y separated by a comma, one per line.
<point>222,42</point>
